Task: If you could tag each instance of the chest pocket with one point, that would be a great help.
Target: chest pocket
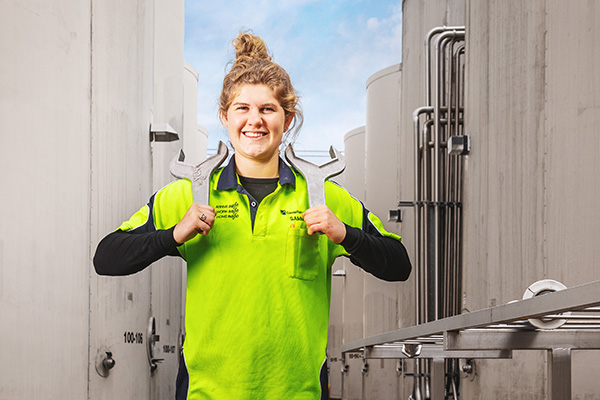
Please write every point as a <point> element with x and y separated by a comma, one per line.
<point>305,254</point>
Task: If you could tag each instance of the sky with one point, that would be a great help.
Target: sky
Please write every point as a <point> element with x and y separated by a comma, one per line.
<point>329,49</point>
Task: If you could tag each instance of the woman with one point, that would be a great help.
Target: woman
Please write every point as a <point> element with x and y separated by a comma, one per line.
<point>259,278</point>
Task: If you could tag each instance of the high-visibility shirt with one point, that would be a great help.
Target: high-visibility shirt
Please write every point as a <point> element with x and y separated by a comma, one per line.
<point>257,301</point>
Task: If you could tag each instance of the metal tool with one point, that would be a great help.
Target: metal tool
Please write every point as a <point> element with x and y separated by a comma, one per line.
<point>200,173</point>
<point>316,175</point>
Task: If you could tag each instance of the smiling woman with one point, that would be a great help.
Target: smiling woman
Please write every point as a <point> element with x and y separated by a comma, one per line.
<point>258,275</point>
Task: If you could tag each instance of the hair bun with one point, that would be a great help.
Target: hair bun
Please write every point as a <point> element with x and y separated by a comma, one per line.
<point>249,47</point>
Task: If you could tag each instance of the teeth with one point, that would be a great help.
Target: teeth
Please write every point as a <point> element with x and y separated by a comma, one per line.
<point>254,134</point>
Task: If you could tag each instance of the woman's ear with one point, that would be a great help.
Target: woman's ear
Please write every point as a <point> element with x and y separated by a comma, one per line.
<point>288,121</point>
<point>223,119</point>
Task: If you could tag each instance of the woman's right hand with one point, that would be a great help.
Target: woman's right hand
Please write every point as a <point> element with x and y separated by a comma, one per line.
<point>198,219</point>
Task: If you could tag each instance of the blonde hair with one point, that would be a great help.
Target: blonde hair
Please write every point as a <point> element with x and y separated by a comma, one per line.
<point>253,66</point>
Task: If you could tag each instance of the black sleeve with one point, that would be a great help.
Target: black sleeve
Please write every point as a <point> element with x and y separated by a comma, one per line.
<point>382,256</point>
<point>125,253</point>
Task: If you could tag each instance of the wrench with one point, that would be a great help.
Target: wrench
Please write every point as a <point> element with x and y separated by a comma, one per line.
<point>200,173</point>
<point>316,175</point>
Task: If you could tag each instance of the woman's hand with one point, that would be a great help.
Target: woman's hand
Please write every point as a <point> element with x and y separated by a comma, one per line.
<point>198,219</point>
<point>322,219</point>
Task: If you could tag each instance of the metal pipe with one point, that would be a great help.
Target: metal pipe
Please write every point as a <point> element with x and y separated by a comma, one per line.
<point>428,238</point>
<point>458,106</point>
<point>436,161</point>
<point>453,85</point>
<point>460,51</point>
<point>442,174</point>
<point>418,208</point>
<point>445,239</point>
<point>448,268</point>
<point>428,38</point>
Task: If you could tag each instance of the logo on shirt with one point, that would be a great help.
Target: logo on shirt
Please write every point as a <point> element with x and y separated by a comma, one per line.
<point>231,211</point>
<point>294,215</point>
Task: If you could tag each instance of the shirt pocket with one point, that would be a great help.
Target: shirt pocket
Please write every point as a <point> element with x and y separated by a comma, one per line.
<point>304,256</point>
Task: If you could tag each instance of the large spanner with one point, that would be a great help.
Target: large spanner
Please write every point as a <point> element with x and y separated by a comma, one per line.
<point>200,173</point>
<point>316,175</point>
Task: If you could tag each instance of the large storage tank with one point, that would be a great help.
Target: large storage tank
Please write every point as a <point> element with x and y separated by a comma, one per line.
<point>531,181</point>
<point>45,179</point>
<point>78,96</point>
<point>382,308</point>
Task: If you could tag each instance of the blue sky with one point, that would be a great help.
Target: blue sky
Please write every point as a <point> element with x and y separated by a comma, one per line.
<point>329,48</point>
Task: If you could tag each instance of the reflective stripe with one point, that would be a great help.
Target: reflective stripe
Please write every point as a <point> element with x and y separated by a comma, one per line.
<point>376,223</point>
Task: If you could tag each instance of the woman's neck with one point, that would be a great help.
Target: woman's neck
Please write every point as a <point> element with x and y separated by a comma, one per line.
<point>252,168</point>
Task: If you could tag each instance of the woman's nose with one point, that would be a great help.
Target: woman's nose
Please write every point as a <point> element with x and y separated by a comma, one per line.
<point>254,117</point>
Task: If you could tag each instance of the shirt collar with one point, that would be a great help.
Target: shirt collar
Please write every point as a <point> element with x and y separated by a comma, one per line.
<point>228,178</point>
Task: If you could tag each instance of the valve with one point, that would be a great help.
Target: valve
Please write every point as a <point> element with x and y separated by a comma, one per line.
<point>467,367</point>
<point>345,366</point>
<point>365,368</point>
<point>108,362</point>
<point>104,362</point>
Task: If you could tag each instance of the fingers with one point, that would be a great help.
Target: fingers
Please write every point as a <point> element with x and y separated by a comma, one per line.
<point>322,219</point>
<point>199,219</point>
<point>207,219</point>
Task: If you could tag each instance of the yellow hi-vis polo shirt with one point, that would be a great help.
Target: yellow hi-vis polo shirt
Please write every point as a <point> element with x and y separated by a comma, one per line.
<point>257,304</point>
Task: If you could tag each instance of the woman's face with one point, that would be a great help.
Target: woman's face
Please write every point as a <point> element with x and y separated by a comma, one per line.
<point>255,122</point>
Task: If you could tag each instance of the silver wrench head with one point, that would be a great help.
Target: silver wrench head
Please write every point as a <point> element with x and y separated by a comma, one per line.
<point>316,175</point>
<point>200,173</point>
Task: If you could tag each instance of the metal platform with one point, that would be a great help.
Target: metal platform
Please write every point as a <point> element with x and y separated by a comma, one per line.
<point>495,332</point>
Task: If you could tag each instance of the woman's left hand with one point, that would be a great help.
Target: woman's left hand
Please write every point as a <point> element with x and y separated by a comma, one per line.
<point>322,219</point>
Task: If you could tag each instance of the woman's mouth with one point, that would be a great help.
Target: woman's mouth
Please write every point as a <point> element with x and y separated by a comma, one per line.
<point>254,135</point>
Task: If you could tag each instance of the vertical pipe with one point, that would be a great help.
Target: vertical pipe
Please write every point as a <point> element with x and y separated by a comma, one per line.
<point>442,174</point>
<point>418,207</point>
<point>439,47</point>
<point>436,179</point>
<point>428,230</point>
<point>451,163</point>
<point>459,163</point>
<point>455,161</point>
<point>444,91</point>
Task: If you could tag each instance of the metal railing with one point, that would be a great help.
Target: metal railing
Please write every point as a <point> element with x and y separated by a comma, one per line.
<point>494,333</point>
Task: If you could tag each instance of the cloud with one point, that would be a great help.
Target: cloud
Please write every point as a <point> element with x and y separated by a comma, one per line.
<point>373,24</point>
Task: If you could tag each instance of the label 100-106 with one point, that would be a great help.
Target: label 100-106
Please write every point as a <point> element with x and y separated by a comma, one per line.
<point>131,337</point>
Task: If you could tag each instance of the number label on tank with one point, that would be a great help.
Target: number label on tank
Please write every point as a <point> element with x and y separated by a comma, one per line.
<point>168,349</point>
<point>133,337</point>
